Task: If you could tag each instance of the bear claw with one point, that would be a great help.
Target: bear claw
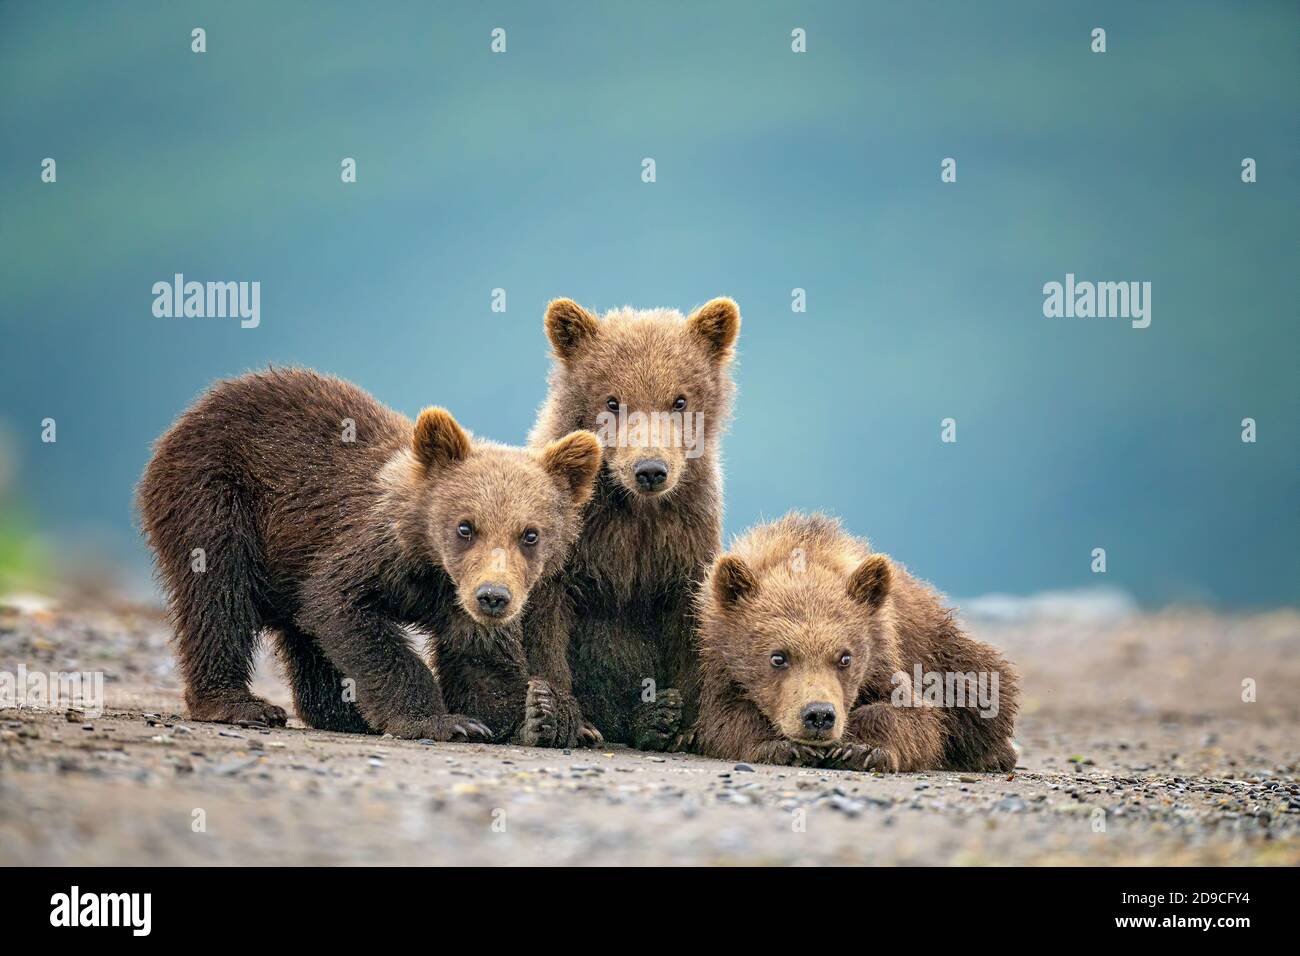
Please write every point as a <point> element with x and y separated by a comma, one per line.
<point>683,742</point>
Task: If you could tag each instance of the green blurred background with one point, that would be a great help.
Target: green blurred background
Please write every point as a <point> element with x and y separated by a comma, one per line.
<point>775,171</point>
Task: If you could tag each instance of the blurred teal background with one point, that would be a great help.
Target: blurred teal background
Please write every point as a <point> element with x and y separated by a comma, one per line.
<point>775,171</point>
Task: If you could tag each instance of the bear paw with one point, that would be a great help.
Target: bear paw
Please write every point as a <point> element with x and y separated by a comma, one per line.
<point>441,728</point>
<point>1002,760</point>
<point>540,723</point>
<point>656,724</point>
<point>862,757</point>
<point>242,708</point>
<point>787,753</point>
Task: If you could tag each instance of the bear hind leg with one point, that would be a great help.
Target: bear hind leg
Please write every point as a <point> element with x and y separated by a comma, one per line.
<point>214,609</point>
<point>321,697</point>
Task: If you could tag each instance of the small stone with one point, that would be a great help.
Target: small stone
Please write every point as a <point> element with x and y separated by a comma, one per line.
<point>743,768</point>
<point>232,767</point>
<point>850,808</point>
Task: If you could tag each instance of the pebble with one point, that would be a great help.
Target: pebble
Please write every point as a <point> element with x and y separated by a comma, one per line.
<point>232,767</point>
<point>846,806</point>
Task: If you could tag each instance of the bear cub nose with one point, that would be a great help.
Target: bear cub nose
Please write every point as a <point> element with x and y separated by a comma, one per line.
<point>493,598</point>
<point>818,717</point>
<point>651,473</point>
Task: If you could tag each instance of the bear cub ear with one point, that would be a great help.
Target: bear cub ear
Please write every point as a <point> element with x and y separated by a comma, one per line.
<point>718,323</point>
<point>574,461</point>
<point>732,579</point>
<point>569,326</point>
<point>869,582</point>
<point>439,440</point>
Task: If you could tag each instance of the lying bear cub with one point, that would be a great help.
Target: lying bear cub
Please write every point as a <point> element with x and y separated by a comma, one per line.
<point>295,503</point>
<point>810,649</point>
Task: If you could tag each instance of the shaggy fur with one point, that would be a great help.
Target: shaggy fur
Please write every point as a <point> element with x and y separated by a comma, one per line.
<point>619,616</point>
<point>843,622</point>
<point>334,545</point>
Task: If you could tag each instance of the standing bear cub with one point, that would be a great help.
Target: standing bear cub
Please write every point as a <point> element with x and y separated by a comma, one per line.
<point>612,633</point>
<point>810,646</point>
<point>295,503</point>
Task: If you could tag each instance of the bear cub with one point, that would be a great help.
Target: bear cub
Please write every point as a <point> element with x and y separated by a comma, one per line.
<point>809,646</point>
<point>293,503</point>
<point>612,633</point>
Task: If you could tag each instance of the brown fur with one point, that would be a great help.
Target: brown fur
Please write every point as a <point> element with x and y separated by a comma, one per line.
<point>804,589</point>
<point>333,546</point>
<point>620,614</point>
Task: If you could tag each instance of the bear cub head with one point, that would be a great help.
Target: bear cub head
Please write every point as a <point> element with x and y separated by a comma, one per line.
<point>653,385</point>
<point>495,518</point>
<point>788,622</point>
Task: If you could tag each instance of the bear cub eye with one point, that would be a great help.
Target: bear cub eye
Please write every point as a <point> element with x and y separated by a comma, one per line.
<point>679,403</point>
<point>779,661</point>
<point>465,530</point>
<point>612,404</point>
<point>846,659</point>
<point>529,538</point>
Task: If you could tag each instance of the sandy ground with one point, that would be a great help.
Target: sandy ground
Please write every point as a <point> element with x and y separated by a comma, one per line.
<point>1136,747</point>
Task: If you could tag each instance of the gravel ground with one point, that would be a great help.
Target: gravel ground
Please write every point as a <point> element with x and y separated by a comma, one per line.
<point>1136,747</point>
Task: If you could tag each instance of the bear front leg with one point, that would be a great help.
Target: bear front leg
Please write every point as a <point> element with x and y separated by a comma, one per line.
<point>890,739</point>
<point>547,619</point>
<point>681,659</point>
<point>395,691</point>
<point>482,672</point>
